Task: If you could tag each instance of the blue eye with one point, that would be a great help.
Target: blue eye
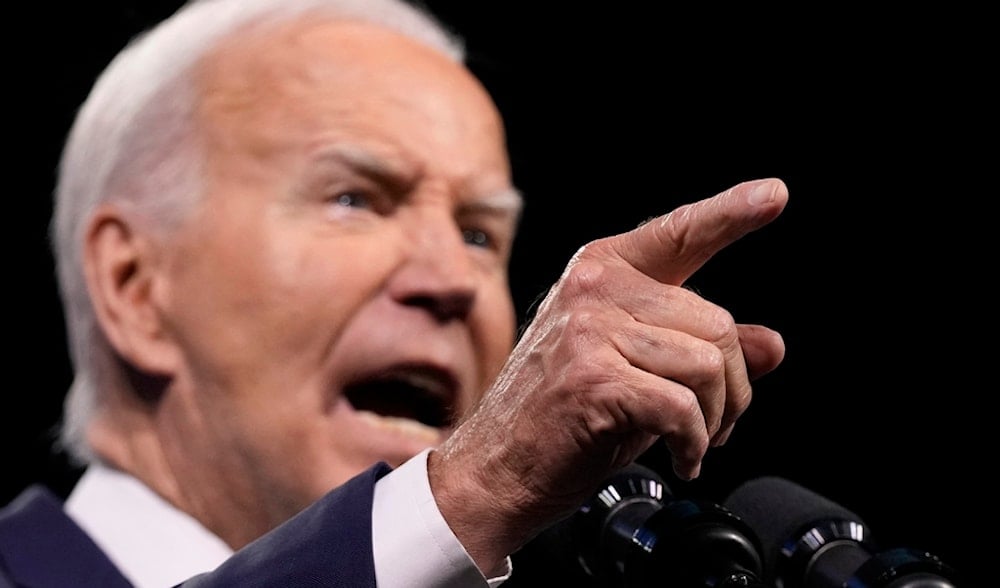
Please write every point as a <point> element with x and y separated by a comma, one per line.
<point>353,200</point>
<point>476,237</point>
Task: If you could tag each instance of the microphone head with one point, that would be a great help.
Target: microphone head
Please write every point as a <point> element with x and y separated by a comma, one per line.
<point>634,533</point>
<point>793,522</point>
<point>580,549</point>
<point>625,499</point>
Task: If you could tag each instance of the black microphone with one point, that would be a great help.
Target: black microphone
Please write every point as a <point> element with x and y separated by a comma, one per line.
<point>808,541</point>
<point>633,533</point>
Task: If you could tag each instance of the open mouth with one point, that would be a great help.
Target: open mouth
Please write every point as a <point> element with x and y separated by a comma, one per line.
<point>419,394</point>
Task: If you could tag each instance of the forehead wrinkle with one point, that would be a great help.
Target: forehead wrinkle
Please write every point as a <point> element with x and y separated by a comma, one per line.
<point>385,168</point>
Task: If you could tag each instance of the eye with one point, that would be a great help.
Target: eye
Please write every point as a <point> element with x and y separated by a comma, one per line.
<point>352,200</point>
<point>476,237</point>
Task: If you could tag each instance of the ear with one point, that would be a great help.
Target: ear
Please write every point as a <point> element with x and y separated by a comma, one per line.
<point>121,267</point>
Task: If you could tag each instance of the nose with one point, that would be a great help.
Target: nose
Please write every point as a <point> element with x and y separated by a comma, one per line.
<point>438,273</point>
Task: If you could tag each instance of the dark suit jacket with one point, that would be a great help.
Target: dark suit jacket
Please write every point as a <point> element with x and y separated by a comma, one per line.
<point>328,544</point>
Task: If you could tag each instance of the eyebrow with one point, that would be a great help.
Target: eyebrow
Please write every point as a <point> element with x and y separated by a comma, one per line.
<point>507,202</point>
<point>392,172</point>
<point>395,173</point>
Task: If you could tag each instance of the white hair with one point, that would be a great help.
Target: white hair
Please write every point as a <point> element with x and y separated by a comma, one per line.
<point>132,143</point>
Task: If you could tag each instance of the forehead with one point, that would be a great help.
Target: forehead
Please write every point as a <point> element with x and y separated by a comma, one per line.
<point>288,92</point>
<point>309,51</point>
<point>310,78</point>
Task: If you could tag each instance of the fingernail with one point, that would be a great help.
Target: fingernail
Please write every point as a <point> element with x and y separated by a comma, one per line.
<point>761,194</point>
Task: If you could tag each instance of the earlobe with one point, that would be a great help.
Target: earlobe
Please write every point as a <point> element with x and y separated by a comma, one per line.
<point>121,269</point>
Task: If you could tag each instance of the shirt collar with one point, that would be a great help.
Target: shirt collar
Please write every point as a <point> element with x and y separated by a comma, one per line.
<point>153,543</point>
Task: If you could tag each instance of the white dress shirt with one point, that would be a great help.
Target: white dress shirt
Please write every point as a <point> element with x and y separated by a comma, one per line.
<point>119,512</point>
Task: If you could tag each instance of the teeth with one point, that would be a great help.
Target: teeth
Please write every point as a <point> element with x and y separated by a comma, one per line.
<point>424,381</point>
<point>401,425</point>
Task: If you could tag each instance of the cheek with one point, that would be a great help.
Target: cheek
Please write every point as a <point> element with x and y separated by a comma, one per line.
<point>495,329</point>
<point>270,301</point>
<point>307,292</point>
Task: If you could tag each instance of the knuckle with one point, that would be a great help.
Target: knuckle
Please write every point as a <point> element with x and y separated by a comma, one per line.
<point>711,361</point>
<point>689,407</point>
<point>720,325</point>
<point>582,323</point>
<point>584,277</point>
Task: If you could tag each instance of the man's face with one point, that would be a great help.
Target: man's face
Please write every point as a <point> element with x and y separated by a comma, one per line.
<point>341,295</point>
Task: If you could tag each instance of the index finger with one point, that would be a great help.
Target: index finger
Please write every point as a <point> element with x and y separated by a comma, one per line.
<point>672,247</point>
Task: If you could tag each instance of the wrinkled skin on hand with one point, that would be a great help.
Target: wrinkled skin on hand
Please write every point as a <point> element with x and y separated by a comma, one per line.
<point>618,356</point>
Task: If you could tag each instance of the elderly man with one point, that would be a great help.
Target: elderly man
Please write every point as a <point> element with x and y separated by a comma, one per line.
<point>282,233</point>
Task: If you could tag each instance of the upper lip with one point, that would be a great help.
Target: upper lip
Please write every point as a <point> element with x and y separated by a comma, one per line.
<point>421,392</point>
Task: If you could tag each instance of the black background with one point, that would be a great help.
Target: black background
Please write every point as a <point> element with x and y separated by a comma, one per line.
<point>875,273</point>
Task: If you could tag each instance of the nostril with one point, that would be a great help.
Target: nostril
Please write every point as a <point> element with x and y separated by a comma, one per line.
<point>444,307</point>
